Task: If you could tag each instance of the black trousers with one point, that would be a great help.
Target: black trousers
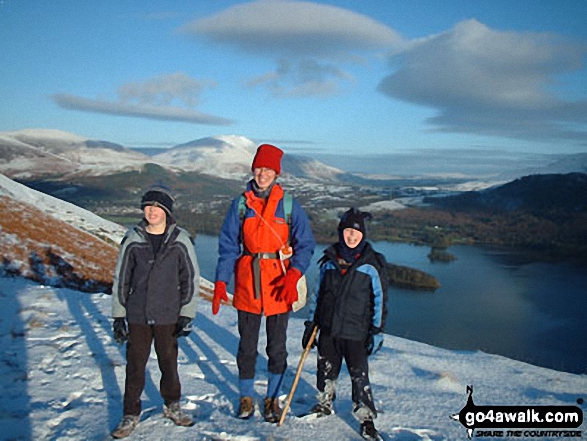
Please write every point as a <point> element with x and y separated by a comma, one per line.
<point>138,349</point>
<point>248,328</point>
<point>331,352</point>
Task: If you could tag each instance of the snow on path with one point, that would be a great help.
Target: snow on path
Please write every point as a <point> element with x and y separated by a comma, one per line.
<point>62,378</point>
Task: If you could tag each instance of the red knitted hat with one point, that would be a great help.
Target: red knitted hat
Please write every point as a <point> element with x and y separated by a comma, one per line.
<point>268,156</point>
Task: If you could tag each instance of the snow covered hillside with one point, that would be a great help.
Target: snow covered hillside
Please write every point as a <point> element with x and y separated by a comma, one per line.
<point>57,243</point>
<point>62,377</point>
<point>62,374</point>
<point>53,242</point>
<point>37,152</point>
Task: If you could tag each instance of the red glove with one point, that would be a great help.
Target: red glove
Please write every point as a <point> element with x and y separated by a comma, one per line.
<point>219,295</point>
<point>289,285</point>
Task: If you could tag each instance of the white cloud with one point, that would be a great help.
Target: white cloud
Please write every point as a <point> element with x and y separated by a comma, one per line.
<point>304,77</point>
<point>164,89</point>
<point>287,28</point>
<point>311,39</point>
<point>170,97</point>
<point>162,113</point>
<point>489,82</point>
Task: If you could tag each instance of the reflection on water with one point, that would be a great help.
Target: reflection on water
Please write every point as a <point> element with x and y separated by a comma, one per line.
<point>488,301</point>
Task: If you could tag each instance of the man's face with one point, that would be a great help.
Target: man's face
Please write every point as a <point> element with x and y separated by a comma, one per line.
<point>352,237</point>
<point>264,177</point>
<point>155,215</point>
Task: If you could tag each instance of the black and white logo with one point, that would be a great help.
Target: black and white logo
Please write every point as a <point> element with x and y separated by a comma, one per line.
<point>516,421</point>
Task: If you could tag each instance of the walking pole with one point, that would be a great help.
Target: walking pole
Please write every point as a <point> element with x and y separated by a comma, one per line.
<point>298,373</point>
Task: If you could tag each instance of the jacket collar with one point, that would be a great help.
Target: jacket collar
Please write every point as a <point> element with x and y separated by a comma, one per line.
<point>331,253</point>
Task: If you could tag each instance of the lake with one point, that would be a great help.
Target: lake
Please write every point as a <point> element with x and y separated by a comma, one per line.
<point>487,301</point>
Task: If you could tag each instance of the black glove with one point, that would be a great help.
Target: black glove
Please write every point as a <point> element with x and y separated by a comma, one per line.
<point>120,330</point>
<point>310,325</point>
<point>183,327</point>
<point>374,340</point>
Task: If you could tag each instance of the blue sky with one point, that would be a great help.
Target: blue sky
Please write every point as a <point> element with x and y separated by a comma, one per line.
<point>355,76</point>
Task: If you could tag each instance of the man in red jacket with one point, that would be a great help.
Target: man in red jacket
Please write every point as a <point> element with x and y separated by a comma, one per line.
<point>249,245</point>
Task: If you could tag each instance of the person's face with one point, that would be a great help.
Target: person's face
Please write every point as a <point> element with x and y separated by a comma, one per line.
<point>352,237</point>
<point>264,177</point>
<point>155,215</point>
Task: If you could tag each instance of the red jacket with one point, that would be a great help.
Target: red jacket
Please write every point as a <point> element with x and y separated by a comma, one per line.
<point>264,230</point>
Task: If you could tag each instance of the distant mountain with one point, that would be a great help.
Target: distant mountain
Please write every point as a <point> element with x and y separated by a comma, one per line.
<point>231,157</point>
<point>561,164</point>
<point>223,156</point>
<point>37,153</point>
<point>541,193</point>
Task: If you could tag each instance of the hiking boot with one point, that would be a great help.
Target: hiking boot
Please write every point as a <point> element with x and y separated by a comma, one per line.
<point>322,410</point>
<point>175,414</point>
<point>246,408</point>
<point>369,432</point>
<point>126,426</point>
<point>325,405</point>
<point>272,411</point>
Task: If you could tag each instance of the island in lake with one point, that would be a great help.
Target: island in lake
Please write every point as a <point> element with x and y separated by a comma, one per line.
<point>411,278</point>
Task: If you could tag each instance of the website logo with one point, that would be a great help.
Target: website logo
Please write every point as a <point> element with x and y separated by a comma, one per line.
<point>519,421</point>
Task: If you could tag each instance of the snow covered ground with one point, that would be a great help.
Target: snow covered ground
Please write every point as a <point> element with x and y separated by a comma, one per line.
<point>62,374</point>
<point>62,377</point>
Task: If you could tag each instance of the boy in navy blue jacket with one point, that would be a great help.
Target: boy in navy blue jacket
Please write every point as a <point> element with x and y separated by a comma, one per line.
<point>349,311</point>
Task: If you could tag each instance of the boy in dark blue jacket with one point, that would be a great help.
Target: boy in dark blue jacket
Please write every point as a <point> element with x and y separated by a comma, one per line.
<point>350,312</point>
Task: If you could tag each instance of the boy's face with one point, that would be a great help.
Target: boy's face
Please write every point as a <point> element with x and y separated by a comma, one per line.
<point>352,237</point>
<point>264,177</point>
<point>155,215</point>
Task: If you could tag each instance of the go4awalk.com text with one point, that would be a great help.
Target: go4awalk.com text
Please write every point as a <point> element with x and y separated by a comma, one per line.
<point>520,421</point>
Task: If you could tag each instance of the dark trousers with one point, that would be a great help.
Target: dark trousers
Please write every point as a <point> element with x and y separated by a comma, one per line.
<point>138,349</point>
<point>248,329</point>
<point>331,352</point>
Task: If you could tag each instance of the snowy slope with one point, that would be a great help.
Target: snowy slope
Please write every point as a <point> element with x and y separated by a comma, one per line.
<point>62,375</point>
<point>69,213</point>
<point>35,225</point>
<point>62,378</point>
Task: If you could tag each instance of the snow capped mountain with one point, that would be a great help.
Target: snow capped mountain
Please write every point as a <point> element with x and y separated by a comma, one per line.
<point>38,152</point>
<point>302,166</point>
<point>227,157</point>
<point>231,156</point>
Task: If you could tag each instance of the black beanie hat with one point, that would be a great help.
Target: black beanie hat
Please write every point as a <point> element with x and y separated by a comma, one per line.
<point>159,196</point>
<point>354,218</point>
